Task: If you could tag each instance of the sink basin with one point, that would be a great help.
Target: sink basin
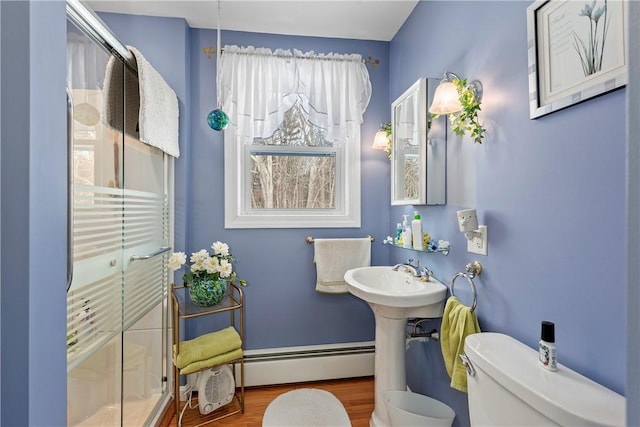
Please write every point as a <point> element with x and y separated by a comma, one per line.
<point>394,296</point>
<point>397,289</point>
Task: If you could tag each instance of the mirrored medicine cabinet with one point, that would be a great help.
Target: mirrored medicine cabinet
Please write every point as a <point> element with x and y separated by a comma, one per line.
<point>419,150</point>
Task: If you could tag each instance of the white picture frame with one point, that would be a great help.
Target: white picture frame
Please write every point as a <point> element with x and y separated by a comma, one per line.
<point>576,51</point>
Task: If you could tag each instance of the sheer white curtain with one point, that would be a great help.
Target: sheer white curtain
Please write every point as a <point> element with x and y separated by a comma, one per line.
<point>258,86</point>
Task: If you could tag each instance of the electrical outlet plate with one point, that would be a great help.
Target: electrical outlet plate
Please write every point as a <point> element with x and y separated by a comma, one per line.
<point>478,245</point>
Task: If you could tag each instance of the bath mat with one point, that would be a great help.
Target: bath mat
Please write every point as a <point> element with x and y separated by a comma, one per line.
<point>306,407</point>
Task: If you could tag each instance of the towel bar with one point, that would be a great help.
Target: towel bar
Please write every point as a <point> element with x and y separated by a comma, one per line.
<point>310,239</point>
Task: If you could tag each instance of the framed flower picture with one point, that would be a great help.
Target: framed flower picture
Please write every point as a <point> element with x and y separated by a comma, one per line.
<point>576,51</point>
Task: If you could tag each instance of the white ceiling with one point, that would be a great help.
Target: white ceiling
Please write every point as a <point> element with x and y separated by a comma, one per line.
<point>352,19</point>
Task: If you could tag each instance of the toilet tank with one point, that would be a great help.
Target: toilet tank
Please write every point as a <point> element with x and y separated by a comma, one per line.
<point>510,388</point>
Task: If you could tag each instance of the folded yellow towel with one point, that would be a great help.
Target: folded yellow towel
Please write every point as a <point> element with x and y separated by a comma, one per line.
<point>458,321</point>
<point>207,346</point>
<point>211,362</point>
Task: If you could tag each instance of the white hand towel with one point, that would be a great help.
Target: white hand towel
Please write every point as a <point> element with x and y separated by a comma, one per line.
<point>158,108</point>
<point>333,257</point>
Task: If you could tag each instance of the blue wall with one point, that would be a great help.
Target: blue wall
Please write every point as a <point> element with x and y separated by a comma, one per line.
<point>551,191</point>
<point>32,295</point>
<point>277,263</point>
<point>526,180</point>
<point>282,307</point>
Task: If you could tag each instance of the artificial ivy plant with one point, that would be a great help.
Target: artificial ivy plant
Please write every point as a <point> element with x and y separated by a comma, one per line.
<point>387,129</point>
<point>467,119</point>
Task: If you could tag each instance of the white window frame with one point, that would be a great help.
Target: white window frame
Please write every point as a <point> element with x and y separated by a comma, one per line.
<point>237,170</point>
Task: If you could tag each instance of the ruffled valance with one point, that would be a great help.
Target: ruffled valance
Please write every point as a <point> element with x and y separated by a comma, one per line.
<point>257,87</point>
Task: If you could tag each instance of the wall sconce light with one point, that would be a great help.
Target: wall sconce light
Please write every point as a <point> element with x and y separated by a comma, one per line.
<point>452,96</point>
<point>382,140</point>
<point>446,99</point>
<point>476,234</point>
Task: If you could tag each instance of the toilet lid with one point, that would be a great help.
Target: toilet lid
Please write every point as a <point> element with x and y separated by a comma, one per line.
<point>306,407</point>
<point>565,396</point>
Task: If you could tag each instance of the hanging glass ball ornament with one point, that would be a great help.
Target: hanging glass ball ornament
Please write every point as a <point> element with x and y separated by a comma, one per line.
<point>218,119</point>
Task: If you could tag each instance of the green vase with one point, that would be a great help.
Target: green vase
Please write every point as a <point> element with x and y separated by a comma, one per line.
<point>206,292</point>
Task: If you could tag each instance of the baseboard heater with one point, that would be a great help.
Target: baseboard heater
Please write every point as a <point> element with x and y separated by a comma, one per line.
<point>308,363</point>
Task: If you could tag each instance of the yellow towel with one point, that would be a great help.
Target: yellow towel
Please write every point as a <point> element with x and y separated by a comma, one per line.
<point>458,321</point>
<point>207,346</point>
<point>211,362</point>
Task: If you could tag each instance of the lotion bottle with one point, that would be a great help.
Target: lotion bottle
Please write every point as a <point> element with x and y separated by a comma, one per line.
<point>398,233</point>
<point>547,347</point>
<point>406,232</point>
<point>416,228</point>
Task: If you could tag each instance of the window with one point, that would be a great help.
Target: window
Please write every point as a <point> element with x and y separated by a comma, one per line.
<point>294,178</point>
<point>292,149</point>
<point>295,168</point>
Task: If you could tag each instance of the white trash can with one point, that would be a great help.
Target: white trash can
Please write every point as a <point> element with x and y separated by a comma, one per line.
<point>407,409</point>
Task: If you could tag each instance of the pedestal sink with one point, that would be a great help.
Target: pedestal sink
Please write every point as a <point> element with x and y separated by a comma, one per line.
<point>394,296</point>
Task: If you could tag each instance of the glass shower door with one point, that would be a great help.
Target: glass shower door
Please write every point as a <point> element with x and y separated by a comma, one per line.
<point>94,320</point>
<point>145,274</point>
<point>116,304</point>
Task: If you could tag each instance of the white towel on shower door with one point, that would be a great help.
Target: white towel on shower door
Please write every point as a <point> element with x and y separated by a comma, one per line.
<point>333,257</point>
<point>158,108</point>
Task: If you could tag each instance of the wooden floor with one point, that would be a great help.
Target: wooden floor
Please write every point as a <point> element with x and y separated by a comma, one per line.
<point>356,394</point>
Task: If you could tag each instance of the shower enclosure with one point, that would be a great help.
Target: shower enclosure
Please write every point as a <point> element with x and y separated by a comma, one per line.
<point>119,241</point>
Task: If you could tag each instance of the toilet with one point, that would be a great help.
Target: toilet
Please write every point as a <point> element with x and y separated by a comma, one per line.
<point>407,409</point>
<point>507,386</point>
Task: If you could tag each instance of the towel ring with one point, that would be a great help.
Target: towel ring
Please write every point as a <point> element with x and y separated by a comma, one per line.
<point>473,288</point>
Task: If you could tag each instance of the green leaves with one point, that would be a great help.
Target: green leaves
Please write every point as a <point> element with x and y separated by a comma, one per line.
<point>467,119</point>
<point>387,129</point>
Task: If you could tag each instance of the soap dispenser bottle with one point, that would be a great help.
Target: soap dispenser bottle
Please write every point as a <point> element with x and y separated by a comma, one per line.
<point>398,234</point>
<point>416,228</point>
<point>406,232</point>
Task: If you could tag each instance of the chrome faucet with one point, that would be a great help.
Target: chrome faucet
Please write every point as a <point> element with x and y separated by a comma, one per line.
<point>408,266</point>
<point>426,274</point>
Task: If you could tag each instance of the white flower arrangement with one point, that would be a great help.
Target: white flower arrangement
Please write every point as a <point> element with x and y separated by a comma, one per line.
<point>205,265</point>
